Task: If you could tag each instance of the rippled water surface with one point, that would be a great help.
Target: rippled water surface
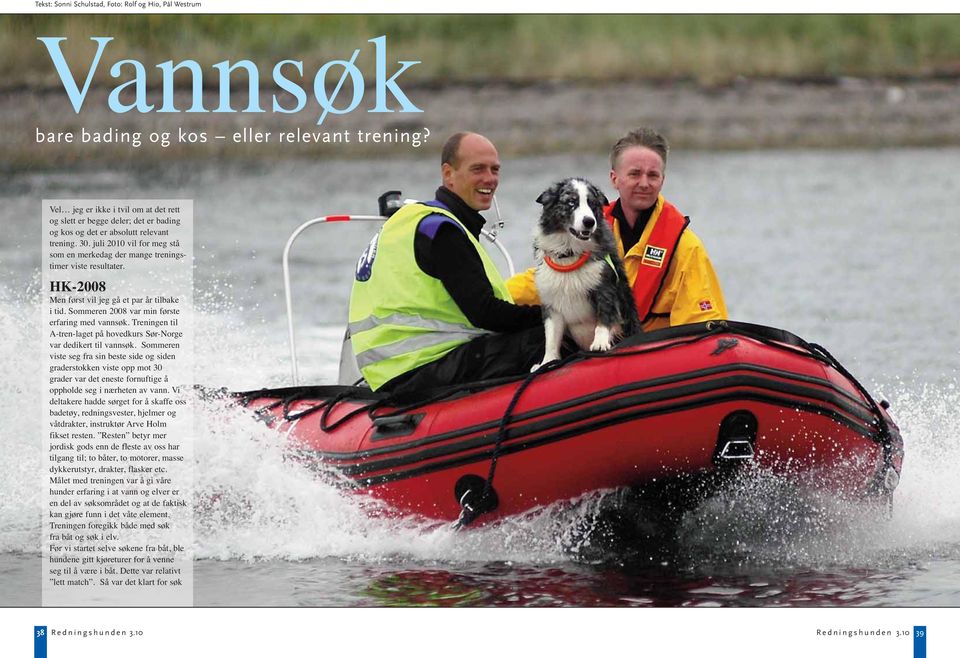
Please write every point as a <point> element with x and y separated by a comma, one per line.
<point>854,250</point>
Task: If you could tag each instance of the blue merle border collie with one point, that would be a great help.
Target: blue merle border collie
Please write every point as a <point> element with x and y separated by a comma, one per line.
<point>580,278</point>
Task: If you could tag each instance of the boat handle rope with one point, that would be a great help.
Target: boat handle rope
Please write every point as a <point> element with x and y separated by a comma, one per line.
<point>469,512</point>
<point>885,438</point>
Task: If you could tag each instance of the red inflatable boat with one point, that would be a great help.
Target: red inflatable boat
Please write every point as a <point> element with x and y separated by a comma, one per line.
<point>684,404</point>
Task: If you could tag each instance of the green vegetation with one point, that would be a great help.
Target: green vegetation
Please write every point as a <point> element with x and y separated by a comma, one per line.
<point>710,49</point>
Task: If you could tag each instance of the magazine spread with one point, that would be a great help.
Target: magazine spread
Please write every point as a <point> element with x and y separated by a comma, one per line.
<point>663,319</point>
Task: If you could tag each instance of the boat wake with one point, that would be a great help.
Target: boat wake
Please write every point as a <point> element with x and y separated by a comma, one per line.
<point>274,507</point>
<point>762,520</point>
<point>255,500</point>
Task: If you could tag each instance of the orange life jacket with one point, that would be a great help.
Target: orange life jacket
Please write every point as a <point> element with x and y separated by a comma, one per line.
<point>657,254</point>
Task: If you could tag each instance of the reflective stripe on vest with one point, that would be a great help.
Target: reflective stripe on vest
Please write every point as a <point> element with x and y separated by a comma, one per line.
<point>656,253</point>
<point>400,317</point>
<point>411,345</point>
<point>404,320</point>
<point>436,332</point>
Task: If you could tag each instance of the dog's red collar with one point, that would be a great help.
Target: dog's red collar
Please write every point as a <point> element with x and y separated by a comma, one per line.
<point>576,265</point>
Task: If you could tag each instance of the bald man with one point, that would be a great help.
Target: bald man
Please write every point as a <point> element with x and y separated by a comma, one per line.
<point>428,306</point>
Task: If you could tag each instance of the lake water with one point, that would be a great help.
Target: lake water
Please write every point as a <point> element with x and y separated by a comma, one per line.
<point>855,250</point>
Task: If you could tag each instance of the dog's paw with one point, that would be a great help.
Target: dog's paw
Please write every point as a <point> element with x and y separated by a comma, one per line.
<point>602,340</point>
<point>601,345</point>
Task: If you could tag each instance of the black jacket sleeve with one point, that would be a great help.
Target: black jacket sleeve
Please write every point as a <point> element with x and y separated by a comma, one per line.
<point>452,258</point>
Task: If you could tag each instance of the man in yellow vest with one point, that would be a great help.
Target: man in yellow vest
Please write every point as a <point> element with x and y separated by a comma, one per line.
<point>667,265</point>
<point>428,307</point>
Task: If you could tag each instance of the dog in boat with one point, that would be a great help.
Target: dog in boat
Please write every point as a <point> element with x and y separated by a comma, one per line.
<point>580,278</point>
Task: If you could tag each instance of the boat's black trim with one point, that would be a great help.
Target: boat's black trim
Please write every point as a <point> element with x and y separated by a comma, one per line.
<point>293,393</point>
<point>714,327</point>
<point>857,409</point>
<point>583,425</point>
<point>577,427</point>
<point>513,445</point>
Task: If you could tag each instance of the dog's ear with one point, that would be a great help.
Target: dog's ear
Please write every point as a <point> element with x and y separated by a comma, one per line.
<point>549,195</point>
<point>598,194</point>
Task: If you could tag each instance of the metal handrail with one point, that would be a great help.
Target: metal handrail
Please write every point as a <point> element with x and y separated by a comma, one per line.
<point>491,236</point>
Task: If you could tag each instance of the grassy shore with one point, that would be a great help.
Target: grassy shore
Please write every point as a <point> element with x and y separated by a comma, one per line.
<point>533,84</point>
<point>708,50</point>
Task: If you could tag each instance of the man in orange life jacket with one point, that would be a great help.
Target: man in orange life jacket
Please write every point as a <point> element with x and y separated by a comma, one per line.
<point>667,265</point>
